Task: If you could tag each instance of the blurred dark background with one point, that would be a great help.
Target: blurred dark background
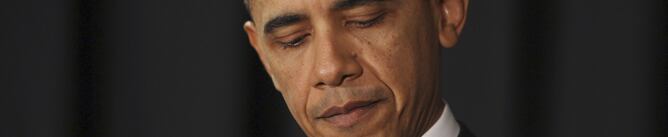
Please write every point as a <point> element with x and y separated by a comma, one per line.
<point>124,68</point>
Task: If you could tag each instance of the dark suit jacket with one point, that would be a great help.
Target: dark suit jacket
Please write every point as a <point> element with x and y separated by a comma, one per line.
<point>463,131</point>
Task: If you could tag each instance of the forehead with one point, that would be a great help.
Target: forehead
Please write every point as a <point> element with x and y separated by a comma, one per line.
<point>263,9</point>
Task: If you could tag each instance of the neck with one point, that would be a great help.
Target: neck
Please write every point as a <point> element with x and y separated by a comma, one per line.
<point>432,114</point>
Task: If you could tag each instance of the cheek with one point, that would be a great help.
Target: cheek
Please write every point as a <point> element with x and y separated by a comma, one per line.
<point>294,89</point>
<point>400,57</point>
<point>393,60</point>
<point>290,82</point>
<point>289,74</point>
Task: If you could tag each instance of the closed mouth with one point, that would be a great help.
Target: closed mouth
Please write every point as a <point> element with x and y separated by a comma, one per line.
<point>348,114</point>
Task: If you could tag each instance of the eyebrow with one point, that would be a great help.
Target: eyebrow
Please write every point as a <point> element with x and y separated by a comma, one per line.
<point>289,19</point>
<point>348,4</point>
<point>282,21</point>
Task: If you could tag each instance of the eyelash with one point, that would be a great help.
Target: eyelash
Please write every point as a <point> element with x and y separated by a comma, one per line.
<point>359,24</point>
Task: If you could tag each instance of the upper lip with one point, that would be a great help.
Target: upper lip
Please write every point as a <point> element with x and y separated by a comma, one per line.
<point>336,110</point>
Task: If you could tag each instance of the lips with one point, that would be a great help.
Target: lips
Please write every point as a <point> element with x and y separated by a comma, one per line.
<point>349,113</point>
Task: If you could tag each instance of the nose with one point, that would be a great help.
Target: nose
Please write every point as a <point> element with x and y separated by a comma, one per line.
<point>335,63</point>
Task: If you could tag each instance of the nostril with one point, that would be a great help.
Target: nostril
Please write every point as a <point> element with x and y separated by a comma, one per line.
<point>334,69</point>
<point>347,77</point>
<point>320,84</point>
<point>332,80</point>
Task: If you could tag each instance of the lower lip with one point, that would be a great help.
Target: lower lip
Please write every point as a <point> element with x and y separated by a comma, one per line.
<point>351,118</point>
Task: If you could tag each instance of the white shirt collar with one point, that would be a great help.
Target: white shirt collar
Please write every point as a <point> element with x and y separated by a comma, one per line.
<point>446,126</point>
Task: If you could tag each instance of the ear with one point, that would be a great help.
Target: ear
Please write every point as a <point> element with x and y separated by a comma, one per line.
<point>250,29</point>
<point>451,18</point>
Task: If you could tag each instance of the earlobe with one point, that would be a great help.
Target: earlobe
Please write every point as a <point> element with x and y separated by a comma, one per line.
<point>452,16</point>
<point>448,36</point>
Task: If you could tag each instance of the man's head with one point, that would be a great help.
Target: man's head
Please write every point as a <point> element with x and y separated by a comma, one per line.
<point>356,67</point>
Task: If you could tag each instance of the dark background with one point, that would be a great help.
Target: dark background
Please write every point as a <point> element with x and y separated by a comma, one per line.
<point>124,68</point>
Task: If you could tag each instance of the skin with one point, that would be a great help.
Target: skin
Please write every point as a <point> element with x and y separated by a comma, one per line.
<point>384,51</point>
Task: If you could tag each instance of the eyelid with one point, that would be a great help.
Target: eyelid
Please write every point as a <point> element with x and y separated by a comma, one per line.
<point>287,41</point>
<point>368,16</point>
<point>367,21</point>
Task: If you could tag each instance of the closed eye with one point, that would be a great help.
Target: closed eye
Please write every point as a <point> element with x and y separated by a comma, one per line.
<point>295,42</point>
<point>367,23</point>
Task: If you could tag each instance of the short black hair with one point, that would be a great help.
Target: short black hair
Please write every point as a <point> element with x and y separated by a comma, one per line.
<point>247,4</point>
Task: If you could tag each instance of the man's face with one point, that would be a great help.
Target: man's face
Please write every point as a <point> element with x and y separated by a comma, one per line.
<point>354,67</point>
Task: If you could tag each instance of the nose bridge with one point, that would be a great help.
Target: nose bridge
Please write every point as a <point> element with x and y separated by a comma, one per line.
<point>334,60</point>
